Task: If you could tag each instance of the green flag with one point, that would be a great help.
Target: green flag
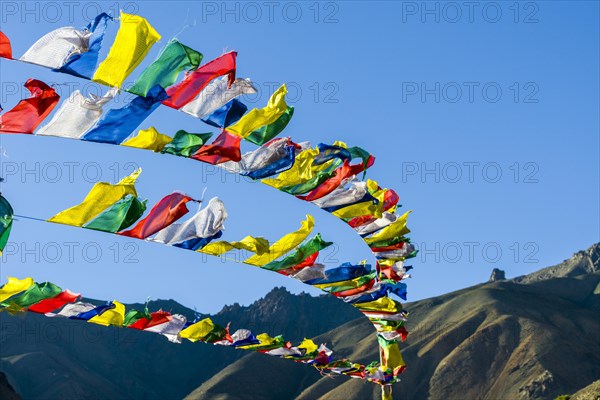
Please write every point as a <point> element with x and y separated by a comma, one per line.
<point>35,294</point>
<point>119,216</point>
<point>303,251</point>
<point>174,59</point>
<point>185,144</point>
<point>268,132</point>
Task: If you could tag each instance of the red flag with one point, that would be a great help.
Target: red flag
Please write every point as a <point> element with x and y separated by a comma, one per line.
<point>309,262</point>
<point>226,147</point>
<point>29,113</point>
<point>359,221</point>
<point>156,318</point>
<point>352,292</point>
<point>5,49</point>
<point>168,210</point>
<point>341,173</point>
<point>185,91</point>
<point>396,246</point>
<point>54,303</point>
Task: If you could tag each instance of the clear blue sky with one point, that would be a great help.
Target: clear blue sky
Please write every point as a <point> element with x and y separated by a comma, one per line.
<point>417,87</point>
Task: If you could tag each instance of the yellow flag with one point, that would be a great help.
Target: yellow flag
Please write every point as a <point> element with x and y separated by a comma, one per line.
<point>259,117</point>
<point>309,345</point>
<point>396,228</point>
<point>149,139</point>
<point>265,340</point>
<point>392,357</point>
<point>102,196</point>
<point>133,41</point>
<point>383,304</point>
<point>353,283</point>
<point>198,330</point>
<point>358,210</point>
<point>14,286</point>
<point>114,316</point>
<point>284,245</point>
<point>302,171</point>
<point>256,245</point>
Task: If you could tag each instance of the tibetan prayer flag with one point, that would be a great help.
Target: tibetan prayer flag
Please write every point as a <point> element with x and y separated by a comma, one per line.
<point>185,144</point>
<point>119,216</point>
<point>55,49</point>
<point>72,310</point>
<point>111,316</point>
<point>302,171</point>
<point>117,124</point>
<point>149,139</point>
<point>14,286</point>
<point>284,245</point>
<point>76,115</point>
<point>84,64</point>
<point>226,147</point>
<point>174,59</point>
<point>257,118</point>
<point>5,48</point>
<point>268,132</point>
<point>343,172</point>
<point>396,228</point>
<point>35,293</point>
<point>29,113</point>
<point>226,115</point>
<point>133,41</point>
<point>304,251</point>
<point>102,196</point>
<point>217,94</point>
<point>170,329</point>
<point>267,160</point>
<point>6,219</point>
<point>344,272</point>
<point>168,210</point>
<point>206,223</point>
<point>198,331</point>
<point>384,304</point>
<point>148,321</point>
<point>185,91</point>
<point>256,245</point>
<point>54,303</point>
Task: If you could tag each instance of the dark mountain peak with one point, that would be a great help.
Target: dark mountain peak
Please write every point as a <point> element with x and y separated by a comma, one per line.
<point>497,275</point>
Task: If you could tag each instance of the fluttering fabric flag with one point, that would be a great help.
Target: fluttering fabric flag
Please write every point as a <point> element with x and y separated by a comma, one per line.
<point>268,132</point>
<point>346,194</point>
<point>5,47</point>
<point>206,223</point>
<point>14,286</point>
<point>185,144</point>
<point>256,245</point>
<point>168,210</point>
<point>72,310</point>
<point>304,251</point>
<point>284,245</point>
<point>376,224</point>
<point>102,196</point>
<point>84,64</point>
<point>185,91</point>
<point>259,117</point>
<point>396,228</point>
<point>54,303</point>
<point>6,220</point>
<point>29,113</point>
<point>267,160</point>
<point>119,216</point>
<point>170,329</point>
<point>117,124</point>
<point>302,171</point>
<point>54,49</point>
<point>149,139</point>
<point>174,59</point>
<point>76,115</point>
<point>225,147</point>
<point>34,294</point>
<point>133,41</point>
<point>217,94</point>
<point>112,316</point>
<point>226,115</point>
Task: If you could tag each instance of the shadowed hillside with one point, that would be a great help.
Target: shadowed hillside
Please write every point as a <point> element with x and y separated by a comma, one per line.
<point>533,337</point>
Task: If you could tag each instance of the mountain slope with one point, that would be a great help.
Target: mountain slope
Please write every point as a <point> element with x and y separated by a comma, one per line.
<point>500,340</point>
<point>50,358</point>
